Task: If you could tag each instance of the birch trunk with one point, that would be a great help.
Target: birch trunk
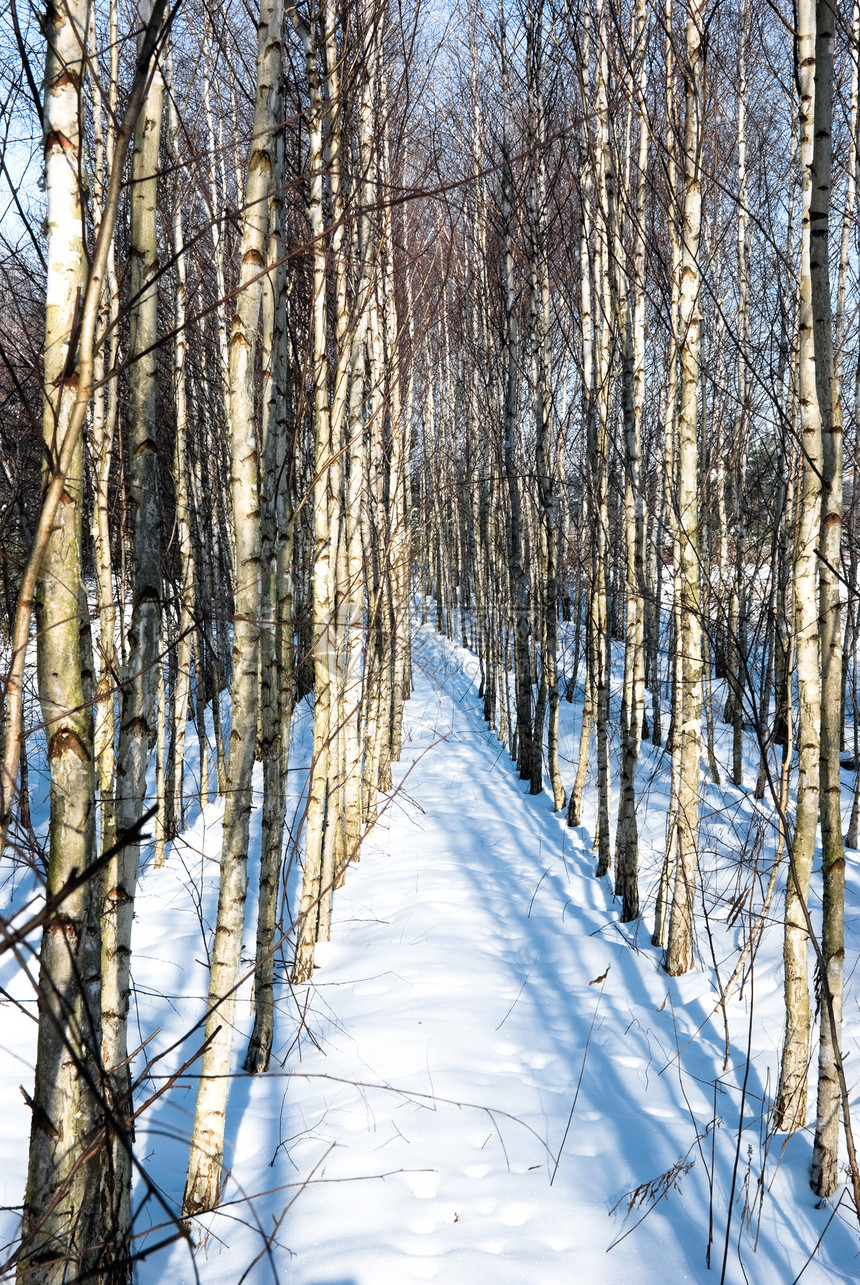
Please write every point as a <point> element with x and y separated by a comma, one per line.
<point>103,425</point>
<point>60,1228</point>
<point>275,692</point>
<point>138,716</point>
<point>825,1154</point>
<point>738,677</point>
<point>544,424</point>
<point>185,641</point>
<point>353,590</point>
<point>574,807</point>
<point>519,608</point>
<point>324,549</point>
<point>670,520</point>
<point>633,394</point>
<point>680,950</point>
<point>853,835</point>
<point>333,868</point>
<point>601,652</point>
<point>398,475</point>
<point>601,649</point>
<point>790,1109</point>
<point>204,1179</point>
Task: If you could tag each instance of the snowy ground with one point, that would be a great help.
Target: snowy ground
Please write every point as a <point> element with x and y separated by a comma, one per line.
<point>488,1080</point>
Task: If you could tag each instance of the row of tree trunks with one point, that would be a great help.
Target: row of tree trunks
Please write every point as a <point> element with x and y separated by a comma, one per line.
<point>361,540</point>
<point>76,1215</point>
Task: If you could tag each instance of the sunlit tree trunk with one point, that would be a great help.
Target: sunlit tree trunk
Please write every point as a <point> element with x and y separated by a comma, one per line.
<point>852,838</point>
<point>181,696</point>
<point>356,469</point>
<point>825,1155</point>
<point>632,328</point>
<point>103,425</point>
<point>574,807</point>
<point>275,687</point>
<point>600,652</point>
<point>680,950</point>
<point>377,553</point>
<point>332,871</point>
<point>670,519</point>
<point>203,1183</point>
<point>544,419</point>
<point>138,712</point>
<point>60,1229</point>
<point>790,1109</point>
<point>325,540</point>
<point>397,559</point>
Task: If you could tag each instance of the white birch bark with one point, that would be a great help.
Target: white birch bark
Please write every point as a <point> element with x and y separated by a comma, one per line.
<point>103,424</point>
<point>670,523</point>
<point>598,446</point>
<point>138,710</point>
<point>852,837</point>
<point>680,949</point>
<point>59,1227</point>
<point>790,1108</point>
<point>185,544</point>
<point>323,570</point>
<point>353,589</point>
<point>527,761</point>
<point>204,1179</point>
<point>332,869</point>
<point>544,420</point>
<point>398,482</point>
<point>275,654</point>
<point>825,1153</point>
<point>633,394</point>
<point>574,807</point>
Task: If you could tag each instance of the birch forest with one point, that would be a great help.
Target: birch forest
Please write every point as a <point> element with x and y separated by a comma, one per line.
<point>429,641</point>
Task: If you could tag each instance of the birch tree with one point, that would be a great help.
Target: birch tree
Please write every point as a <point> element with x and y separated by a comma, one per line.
<point>790,1108</point>
<point>137,730</point>
<point>632,336</point>
<point>680,949</point>
<point>825,1157</point>
<point>324,644</point>
<point>60,1228</point>
<point>204,1179</point>
<point>276,693</point>
<point>543,401</point>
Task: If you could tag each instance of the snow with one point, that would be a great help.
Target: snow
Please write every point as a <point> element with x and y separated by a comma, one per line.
<point>490,1078</point>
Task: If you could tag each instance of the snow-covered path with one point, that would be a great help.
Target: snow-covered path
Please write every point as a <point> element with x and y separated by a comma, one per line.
<point>479,1026</point>
<point>457,1018</point>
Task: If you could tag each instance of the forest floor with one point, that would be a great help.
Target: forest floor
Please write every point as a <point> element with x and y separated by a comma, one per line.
<point>489,1078</point>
